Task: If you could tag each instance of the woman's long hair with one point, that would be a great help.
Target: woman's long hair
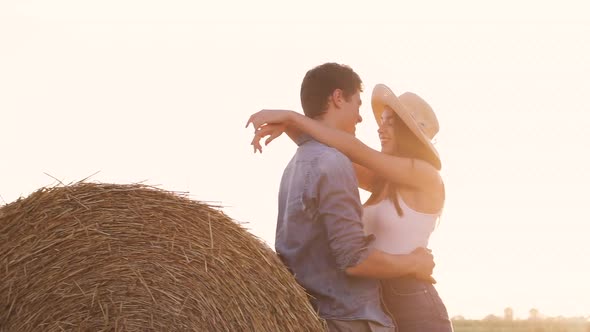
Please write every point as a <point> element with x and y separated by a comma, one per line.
<point>408,146</point>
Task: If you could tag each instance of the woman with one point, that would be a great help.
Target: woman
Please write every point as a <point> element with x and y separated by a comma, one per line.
<point>407,192</point>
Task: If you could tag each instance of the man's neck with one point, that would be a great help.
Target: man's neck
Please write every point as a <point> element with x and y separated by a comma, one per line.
<point>327,120</point>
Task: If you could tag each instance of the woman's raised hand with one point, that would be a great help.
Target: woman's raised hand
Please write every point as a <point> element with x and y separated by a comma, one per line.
<point>271,123</point>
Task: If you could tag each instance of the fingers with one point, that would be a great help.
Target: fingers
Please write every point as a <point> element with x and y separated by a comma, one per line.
<point>424,250</point>
<point>263,118</point>
<point>256,143</point>
<point>262,129</point>
<point>272,136</point>
<point>257,120</point>
<point>253,119</point>
<point>263,132</point>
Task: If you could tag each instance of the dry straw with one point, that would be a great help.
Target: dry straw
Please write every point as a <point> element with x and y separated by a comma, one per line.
<point>105,257</point>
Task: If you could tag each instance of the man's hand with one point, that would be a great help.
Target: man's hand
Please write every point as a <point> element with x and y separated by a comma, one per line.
<point>424,264</point>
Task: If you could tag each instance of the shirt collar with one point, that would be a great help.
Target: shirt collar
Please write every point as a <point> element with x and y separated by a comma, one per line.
<point>303,138</point>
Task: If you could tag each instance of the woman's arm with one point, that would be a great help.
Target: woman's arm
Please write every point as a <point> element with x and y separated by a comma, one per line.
<point>293,133</point>
<point>412,172</point>
<point>365,177</point>
<point>273,130</point>
<point>263,127</point>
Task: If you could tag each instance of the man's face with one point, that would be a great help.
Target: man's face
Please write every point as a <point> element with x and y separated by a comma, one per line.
<point>349,113</point>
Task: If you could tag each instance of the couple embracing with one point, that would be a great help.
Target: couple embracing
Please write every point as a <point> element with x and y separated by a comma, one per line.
<point>366,267</point>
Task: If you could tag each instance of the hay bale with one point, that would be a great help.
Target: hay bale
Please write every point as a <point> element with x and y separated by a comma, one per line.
<point>131,257</point>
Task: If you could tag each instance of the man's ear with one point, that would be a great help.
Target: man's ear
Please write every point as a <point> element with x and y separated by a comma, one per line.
<point>337,98</point>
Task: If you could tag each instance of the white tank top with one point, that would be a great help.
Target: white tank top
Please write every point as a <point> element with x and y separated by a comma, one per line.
<point>395,234</point>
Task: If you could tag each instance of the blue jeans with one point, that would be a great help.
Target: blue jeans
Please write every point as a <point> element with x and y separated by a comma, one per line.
<point>415,305</point>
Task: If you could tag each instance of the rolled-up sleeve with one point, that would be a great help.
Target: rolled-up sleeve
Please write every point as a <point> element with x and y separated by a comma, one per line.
<point>340,210</point>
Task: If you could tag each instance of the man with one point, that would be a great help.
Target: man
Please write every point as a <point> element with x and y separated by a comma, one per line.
<point>319,234</point>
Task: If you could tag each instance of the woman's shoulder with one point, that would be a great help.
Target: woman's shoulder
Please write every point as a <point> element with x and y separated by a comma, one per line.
<point>430,201</point>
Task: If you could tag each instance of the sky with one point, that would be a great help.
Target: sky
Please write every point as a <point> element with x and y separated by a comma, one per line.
<point>159,92</point>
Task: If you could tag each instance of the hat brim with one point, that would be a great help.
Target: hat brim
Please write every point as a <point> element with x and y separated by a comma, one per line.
<point>383,97</point>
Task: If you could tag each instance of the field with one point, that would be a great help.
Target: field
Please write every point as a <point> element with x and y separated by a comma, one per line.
<point>521,326</point>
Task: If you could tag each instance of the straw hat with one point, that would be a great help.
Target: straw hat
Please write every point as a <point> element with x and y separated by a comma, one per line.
<point>417,115</point>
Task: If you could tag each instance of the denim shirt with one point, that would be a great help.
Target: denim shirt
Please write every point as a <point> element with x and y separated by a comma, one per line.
<point>319,234</point>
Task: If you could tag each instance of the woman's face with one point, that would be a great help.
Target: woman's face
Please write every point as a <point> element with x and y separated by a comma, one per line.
<point>387,131</point>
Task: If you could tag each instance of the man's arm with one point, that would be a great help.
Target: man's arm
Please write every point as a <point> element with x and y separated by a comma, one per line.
<point>340,210</point>
<point>379,264</point>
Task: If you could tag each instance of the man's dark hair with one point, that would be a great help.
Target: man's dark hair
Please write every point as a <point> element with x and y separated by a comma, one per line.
<point>321,81</point>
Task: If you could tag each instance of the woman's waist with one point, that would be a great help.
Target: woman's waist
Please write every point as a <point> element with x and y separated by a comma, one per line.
<point>397,245</point>
<point>407,285</point>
